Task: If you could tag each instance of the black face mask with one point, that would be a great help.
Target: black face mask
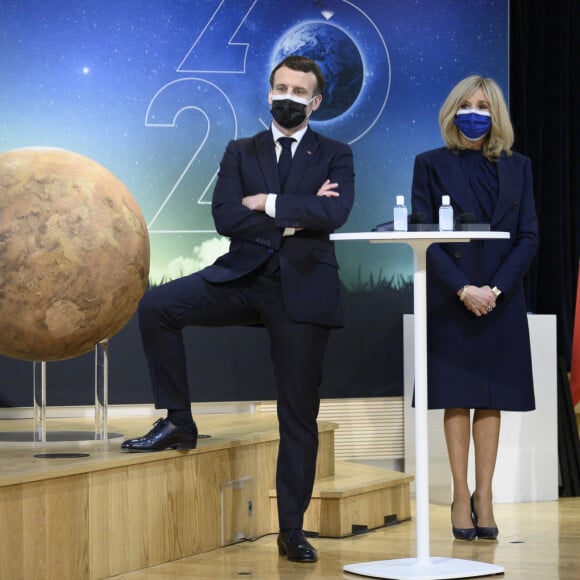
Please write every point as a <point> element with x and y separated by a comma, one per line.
<point>289,111</point>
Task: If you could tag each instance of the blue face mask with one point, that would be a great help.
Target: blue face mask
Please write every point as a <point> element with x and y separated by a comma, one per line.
<point>473,123</point>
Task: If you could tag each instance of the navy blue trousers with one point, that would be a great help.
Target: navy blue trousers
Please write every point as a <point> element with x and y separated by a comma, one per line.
<point>297,351</point>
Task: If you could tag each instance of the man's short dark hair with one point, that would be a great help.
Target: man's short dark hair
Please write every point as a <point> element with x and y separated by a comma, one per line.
<point>304,64</point>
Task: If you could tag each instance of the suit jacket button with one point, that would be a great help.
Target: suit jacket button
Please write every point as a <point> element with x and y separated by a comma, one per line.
<point>457,254</point>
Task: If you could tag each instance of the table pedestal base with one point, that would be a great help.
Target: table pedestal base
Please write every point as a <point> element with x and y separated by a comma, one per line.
<point>423,567</point>
<point>426,569</point>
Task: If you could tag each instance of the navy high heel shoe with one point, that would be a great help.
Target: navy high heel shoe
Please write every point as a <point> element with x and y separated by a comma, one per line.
<point>468,534</point>
<point>483,533</point>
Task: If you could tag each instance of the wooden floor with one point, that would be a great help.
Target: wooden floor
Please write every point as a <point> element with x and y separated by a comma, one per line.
<point>537,541</point>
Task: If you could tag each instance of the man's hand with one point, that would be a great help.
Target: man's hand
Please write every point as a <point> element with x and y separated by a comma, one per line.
<point>255,202</point>
<point>326,189</point>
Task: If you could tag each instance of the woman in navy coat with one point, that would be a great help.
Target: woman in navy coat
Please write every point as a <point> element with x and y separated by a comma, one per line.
<point>478,339</point>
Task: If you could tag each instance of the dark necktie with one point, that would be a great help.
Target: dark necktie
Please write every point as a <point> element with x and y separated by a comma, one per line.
<point>285,160</point>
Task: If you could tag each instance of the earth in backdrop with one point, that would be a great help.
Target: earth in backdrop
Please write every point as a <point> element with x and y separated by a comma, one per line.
<point>338,57</point>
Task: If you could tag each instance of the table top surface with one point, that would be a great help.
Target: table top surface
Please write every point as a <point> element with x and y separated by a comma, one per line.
<point>435,236</point>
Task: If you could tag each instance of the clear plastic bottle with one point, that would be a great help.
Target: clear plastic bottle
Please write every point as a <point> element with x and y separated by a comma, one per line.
<point>445,215</point>
<point>400,215</point>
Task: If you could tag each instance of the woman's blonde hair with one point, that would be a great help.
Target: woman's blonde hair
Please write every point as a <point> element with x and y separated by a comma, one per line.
<point>501,136</point>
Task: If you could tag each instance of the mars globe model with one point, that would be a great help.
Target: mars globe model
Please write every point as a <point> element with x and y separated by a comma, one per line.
<point>74,254</point>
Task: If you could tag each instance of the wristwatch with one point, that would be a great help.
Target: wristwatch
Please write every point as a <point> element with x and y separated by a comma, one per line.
<point>496,291</point>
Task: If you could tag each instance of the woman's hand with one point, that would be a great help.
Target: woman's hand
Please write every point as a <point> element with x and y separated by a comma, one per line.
<point>478,300</point>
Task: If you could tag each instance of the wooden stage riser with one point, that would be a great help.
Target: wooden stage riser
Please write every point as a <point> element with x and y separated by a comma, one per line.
<point>103,523</point>
<point>335,518</point>
<point>356,499</point>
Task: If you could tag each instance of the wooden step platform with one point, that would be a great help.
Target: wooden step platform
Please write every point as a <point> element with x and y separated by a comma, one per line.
<point>357,498</point>
<point>93,511</point>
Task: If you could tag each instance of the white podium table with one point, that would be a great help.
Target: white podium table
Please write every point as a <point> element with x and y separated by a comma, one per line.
<point>423,567</point>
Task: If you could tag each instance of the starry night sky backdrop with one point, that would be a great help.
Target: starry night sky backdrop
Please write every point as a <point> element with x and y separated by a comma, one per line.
<point>154,89</point>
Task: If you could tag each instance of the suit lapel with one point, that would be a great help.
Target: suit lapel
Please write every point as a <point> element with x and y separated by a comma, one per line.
<point>456,184</point>
<point>267,159</point>
<point>506,198</point>
<point>302,158</point>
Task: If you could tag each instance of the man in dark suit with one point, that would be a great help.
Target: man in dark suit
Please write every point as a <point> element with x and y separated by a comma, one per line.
<point>280,272</point>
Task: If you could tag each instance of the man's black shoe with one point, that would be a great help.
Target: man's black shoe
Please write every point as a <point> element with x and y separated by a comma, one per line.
<point>164,435</point>
<point>293,543</point>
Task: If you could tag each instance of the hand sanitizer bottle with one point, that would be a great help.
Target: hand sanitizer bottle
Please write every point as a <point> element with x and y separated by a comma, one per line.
<point>445,215</point>
<point>400,215</point>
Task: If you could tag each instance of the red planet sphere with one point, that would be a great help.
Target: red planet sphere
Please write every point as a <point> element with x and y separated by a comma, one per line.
<point>74,254</point>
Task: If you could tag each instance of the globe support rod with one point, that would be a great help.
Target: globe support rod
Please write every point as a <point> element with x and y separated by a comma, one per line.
<point>39,397</point>
<point>101,388</point>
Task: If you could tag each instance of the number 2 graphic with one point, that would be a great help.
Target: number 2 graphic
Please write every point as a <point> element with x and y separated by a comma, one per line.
<point>210,104</point>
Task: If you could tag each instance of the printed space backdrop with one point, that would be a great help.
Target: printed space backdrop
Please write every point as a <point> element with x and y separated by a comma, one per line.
<point>154,89</point>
